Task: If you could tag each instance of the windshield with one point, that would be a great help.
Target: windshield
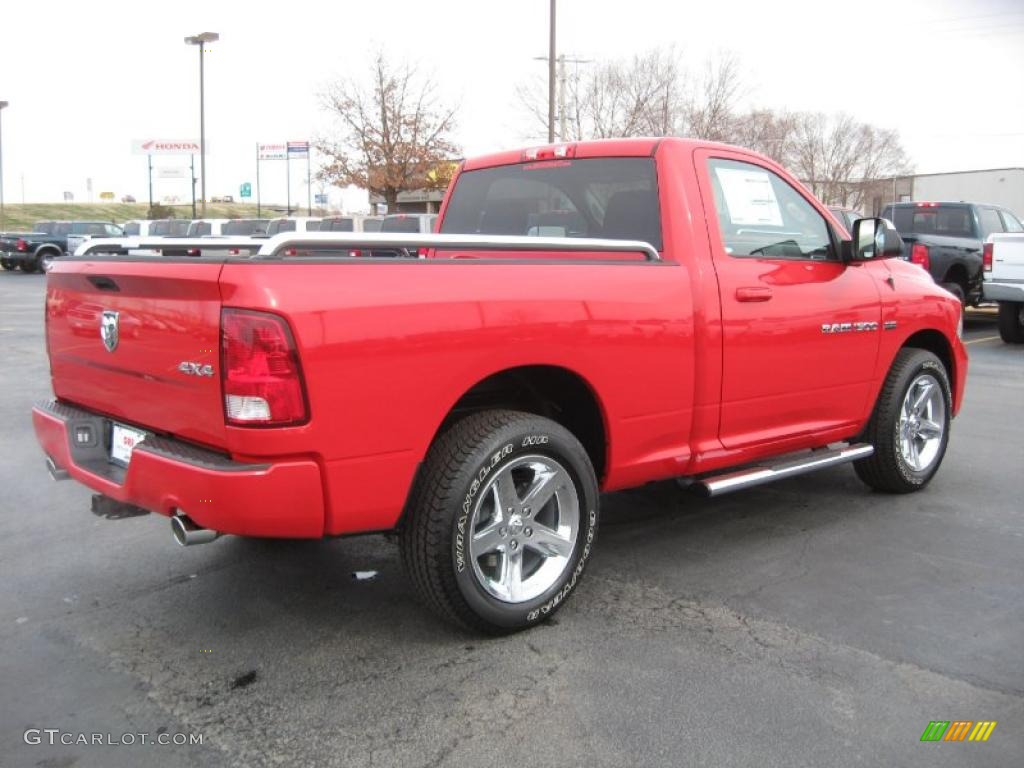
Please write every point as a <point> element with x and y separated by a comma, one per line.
<point>611,197</point>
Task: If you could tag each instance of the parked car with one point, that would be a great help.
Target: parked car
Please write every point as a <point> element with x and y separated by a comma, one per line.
<point>408,222</point>
<point>1003,259</point>
<point>352,223</point>
<point>128,199</point>
<point>35,251</point>
<point>245,227</point>
<point>946,240</point>
<point>82,231</point>
<point>138,228</point>
<point>479,400</point>
<point>293,224</point>
<point>206,227</point>
<point>846,216</point>
<point>169,227</point>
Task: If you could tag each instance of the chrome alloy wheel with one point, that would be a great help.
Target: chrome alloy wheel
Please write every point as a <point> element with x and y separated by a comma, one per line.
<point>524,528</point>
<point>922,423</point>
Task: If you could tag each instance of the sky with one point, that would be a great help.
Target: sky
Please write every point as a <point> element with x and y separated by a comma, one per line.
<point>85,79</point>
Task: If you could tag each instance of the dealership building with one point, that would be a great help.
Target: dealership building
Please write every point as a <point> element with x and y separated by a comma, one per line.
<point>997,186</point>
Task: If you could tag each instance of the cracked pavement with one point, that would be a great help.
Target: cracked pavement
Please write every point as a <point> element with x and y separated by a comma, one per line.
<point>809,622</point>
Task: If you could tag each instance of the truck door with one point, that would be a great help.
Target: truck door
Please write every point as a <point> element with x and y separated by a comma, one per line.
<point>800,327</point>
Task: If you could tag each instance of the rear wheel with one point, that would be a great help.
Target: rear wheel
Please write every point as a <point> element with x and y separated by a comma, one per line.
<point>1011,321</point>
<point>45,259</point>
<point>8,265</point>
<point>958,290</point>
<point>502,522</point>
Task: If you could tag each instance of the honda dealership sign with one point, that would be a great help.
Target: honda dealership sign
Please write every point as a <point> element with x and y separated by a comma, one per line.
<point>166,147</point>
<point>271,151</point>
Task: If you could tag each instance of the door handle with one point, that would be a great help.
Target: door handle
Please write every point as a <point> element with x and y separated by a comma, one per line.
<point>753,294</point>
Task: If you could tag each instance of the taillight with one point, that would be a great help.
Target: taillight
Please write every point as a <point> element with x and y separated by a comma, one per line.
<point>260,370</point>
<point>986,257</point>
<point>919,256</point>
<point>21,245</point>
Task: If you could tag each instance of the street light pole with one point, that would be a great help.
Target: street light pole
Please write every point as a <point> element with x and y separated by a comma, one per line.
<point>3,221</point>
<point>200,41</point>
<point>551,77</point>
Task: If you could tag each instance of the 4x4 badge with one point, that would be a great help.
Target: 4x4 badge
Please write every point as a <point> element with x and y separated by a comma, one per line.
<point>109,330</point>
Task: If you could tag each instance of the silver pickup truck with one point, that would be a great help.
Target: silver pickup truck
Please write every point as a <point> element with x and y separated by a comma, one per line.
<point>1003,271</point>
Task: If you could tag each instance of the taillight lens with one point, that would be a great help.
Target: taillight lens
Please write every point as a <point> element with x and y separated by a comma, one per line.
<point>986,257</point>
<point>919,256</point>
<point>260,370</point>
<point>21,245</point>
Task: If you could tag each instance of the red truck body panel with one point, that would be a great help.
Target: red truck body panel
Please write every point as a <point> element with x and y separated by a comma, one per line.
<point>699,362</point>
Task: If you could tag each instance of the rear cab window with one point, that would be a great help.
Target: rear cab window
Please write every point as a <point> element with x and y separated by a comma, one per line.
<point>932,219</point>
<point>1011,223</point>
<point>608,197</point>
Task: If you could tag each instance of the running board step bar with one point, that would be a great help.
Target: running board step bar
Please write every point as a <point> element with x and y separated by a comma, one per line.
<point>759,475</point>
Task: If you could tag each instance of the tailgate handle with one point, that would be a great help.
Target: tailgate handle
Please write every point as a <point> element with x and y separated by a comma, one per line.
<point>753,294</point>
<point>103,283</point>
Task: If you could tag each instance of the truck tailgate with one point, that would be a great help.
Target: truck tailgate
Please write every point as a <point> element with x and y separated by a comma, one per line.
<point>1008,258</point>
<point>118,333</point>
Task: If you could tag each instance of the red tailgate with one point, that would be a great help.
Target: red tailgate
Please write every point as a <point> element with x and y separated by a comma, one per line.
<point>162,316</point>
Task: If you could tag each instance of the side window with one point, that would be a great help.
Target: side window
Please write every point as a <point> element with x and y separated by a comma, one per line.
<point>990,221</point>
<point>760,215</point>
<point>1011,223</point>
<point>132,228</point>
<point>312,226</point>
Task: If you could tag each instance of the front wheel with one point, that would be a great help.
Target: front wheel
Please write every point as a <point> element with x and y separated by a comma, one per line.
<point>909,427</point>
<point>502,522</point>
<point>1011,321</point>
<point>8,265</point>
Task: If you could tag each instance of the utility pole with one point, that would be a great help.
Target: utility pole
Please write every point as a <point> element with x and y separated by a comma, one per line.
<point>200,42</point>
<point>3,106</point>
<point>562,89</point>
<point>551,77</point>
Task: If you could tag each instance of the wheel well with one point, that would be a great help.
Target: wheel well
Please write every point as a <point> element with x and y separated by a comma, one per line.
<point>555,393</point>
<point>957,274</point>
<point>935,343</point>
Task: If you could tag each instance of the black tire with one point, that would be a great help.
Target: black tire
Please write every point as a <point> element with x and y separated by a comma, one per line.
<point>887,469</point>
<point>459,469</point>
<point>957,290</point>
<point>1011,321</point>
<point>8,265</point>
<point>29,266</point>
<point>44,258</point>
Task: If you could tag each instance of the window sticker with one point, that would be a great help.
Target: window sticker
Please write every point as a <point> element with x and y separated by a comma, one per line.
<point>750,197</point>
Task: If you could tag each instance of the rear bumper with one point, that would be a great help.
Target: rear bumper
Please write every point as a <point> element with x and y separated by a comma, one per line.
<point>1004,291</point>
<point>280,499</point>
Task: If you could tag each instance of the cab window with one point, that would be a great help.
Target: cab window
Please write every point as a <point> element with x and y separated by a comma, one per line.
<point>760,215</point>
<point>990,221</point>
<point>1011,223</point>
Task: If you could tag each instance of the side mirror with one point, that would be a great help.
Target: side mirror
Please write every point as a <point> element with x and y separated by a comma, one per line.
<point>874,239</point>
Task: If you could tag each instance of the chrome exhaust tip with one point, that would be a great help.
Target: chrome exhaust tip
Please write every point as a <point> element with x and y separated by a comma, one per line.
<point>187,533</point>
<point>56,473</point>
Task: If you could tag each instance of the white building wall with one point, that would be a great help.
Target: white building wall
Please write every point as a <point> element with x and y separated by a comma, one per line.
<point>1003,187</point>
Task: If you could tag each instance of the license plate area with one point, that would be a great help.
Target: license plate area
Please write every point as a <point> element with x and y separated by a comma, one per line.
<point>122,442</point>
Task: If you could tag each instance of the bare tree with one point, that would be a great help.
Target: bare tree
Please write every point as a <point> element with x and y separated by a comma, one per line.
<point>392,132</point>
<point>838,157</point>
<point>711,106</point>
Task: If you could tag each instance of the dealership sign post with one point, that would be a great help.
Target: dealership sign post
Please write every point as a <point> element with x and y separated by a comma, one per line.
<point>150,147</point>
<point>300,149</point>
<point>267,152</point>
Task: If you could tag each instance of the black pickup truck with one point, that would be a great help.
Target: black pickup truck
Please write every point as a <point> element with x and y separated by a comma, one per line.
<point>947,240</point>
<point>48,240</point>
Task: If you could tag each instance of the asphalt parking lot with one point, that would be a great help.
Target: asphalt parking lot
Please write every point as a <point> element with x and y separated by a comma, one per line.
<point>810,622</point>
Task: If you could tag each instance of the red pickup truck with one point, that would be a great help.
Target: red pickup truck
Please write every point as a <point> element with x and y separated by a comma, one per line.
<point>589,317</point>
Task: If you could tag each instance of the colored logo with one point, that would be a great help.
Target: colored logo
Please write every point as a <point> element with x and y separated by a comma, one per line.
<point>959,730</point>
